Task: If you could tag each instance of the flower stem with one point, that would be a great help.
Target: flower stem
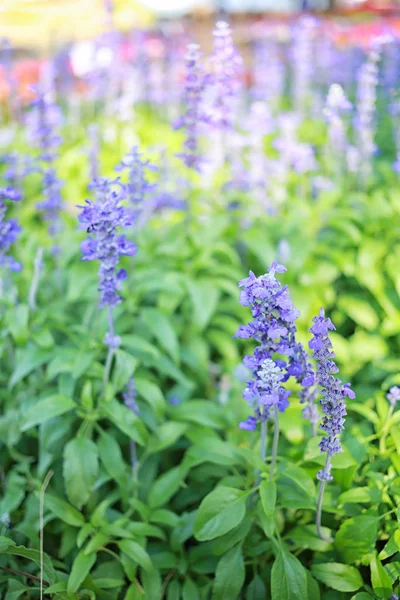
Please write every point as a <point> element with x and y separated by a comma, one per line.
<point>274,443</point>
<point>37,267</point>
<point>320,498</point>
<point>111,350</point>
<point>263,440</point>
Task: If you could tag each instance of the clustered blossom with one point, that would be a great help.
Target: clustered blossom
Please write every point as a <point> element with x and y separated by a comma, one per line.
<point>332,389</point>
<point>366,105</point>
<point>103,218</point>
<point>44,122</point>
<point>273,326</point>
<point>130,395</point>
<point>336,106</point>
<point>137,186</point>
<point>9,229</point>
<point>227,66</point>
<point>393,395</point>
<point>194,115</point>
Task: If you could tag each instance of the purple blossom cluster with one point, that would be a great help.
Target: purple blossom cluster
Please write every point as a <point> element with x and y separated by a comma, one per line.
<point>194,115</point>
<point>333,390</point>
<point>273,326</point>
<point>227,69</point>
<point>43,125</point>
<point>393,395</point>
<point>102,218</point>
<point>9,229</point>
<point>138,186</point>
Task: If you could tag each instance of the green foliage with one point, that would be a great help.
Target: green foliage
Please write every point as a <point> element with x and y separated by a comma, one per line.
<point>197,517</point>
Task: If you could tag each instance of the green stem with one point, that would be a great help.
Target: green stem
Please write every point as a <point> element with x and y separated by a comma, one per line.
<point>274,443</point>
<point>320,499</point>
<point>111,350</point>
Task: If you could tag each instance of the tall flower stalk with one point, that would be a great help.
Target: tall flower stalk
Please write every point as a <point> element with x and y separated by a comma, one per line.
<point>194,115</point>
<point>273,326</point>
<point>366,109</point>
<point>9,230</point>
<point>332,402</point>
<point>336,107</point>
<point>43,126</point>
<point>103,218</point>
<point>138,186</point>
<point>129,397</point>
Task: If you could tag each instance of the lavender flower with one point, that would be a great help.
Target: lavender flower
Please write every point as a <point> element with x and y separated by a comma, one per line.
<point>332,402</point>
<point>103,218</point>
<point>393,395</point>
<point>227,65</point>
<point>366,104</point>
<point>130,395</point>
<point>273,326</point>
<point>9,229</point>
<point>194,115</point>
<point>336,105</point>
<point>43,126</point>
<point>137,186</point>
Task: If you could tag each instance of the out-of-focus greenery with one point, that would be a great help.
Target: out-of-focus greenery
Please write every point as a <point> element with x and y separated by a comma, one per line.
<point>109,536</point>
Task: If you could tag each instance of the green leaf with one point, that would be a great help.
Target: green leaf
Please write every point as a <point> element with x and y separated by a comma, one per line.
<point>137,553</point>
<point>337,576</point>
<point>360,311</point>
<point>46,409</point>
<point>81,568</point>
<point>268,501</point>
<point>150,392</point>
<point>64,511</point>
<point>201,412</point>
<point>80,469</point>
<point>204,296</point>
<point>111,457</point>
<point>381,582</point>
<point>161,328</point>
<point>152,584</point>
<point>306,537</point>
<point>166,486</point>
<point>34,555</point>
<point>5,542</point>
<point>391,547</point>
<point>134,592</point>
<point>230,575</point>
<point>219,512</point>
<point>296,488</point>
<point>288,578</point>
<point>125,365</point>
<point>27,360</point>
<point>312,587</point>
<point>356,537</point>
<point>16,589</point>
<point>359,494</point>
<point>166,435</point>
<point>189,590</point>
<point>125,420</point>
<point>256,589</point>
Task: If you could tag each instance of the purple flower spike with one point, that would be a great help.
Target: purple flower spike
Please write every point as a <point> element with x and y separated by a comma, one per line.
<point>194,115</point>
<point>393,395</point>
<point>274,328</point>
<point>138,187</point>
<point>228,65</point>
<point>103,218</point>
<point>332,389</point>
<point>9,229</point>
